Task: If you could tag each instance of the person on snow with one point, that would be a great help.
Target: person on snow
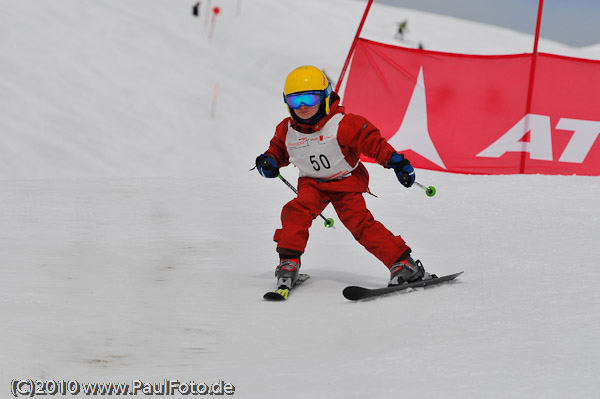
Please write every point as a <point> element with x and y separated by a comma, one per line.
<point>402,28</point>
<point>196,9</point>
<point>325,144</point>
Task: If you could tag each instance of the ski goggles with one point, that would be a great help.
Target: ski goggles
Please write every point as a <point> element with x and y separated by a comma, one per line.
<point>308,98</point>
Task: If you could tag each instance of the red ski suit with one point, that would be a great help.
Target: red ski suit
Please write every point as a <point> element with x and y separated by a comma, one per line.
<point>355,136</point>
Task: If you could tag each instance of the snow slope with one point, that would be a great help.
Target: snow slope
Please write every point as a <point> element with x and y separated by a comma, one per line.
<point>135,243</point>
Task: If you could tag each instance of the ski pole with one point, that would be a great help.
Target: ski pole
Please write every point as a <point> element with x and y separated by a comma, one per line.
<point>429,191</point>
<point>328,221</point>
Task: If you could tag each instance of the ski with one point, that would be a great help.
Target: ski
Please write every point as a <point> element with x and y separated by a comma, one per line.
<point>355,293</point>
<point>282,294</point>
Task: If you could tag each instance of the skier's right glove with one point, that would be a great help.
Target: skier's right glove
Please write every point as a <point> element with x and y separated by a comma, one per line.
<point>266,166</point>
<point>404,170</point>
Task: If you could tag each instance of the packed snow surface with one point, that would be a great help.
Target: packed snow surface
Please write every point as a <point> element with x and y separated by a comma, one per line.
<point>135,244</point>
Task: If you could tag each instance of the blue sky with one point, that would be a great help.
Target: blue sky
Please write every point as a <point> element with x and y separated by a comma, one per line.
<point>572,22</point>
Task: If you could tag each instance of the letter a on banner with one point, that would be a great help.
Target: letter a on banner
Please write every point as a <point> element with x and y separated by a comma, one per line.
<point>539,146</point>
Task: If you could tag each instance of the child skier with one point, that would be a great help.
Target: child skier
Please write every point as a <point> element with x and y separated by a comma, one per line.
<point>325,144</point>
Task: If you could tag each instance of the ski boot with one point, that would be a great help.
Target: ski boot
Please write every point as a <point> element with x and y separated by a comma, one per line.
<point>287,273</point>
<point>406,270</point>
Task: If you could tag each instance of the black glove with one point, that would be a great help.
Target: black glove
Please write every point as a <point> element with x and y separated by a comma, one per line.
<point>267,166</point>
<point>404,171</point>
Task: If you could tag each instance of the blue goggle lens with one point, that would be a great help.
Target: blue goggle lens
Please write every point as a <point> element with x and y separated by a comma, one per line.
<point>308,98</point>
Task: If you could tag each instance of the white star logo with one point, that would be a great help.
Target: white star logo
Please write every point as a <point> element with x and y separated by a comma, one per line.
<point>413,133</point>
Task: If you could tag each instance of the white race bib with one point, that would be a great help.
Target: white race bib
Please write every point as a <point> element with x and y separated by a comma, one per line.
<point>318,155</point>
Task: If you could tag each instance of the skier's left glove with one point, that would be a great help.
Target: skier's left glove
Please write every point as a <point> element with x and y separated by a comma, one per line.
<point>404,171</point>
<point>266,166</point>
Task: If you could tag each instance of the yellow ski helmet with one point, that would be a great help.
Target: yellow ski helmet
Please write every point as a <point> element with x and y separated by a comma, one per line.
<point>308,78</point>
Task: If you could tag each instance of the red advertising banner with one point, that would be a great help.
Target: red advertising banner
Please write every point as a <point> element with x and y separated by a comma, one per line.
<point>468,113</point>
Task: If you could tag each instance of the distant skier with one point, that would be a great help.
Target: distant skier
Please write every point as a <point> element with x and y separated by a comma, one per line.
<point>402,28</point>
<point>196,9</point>
<point>325,144</point>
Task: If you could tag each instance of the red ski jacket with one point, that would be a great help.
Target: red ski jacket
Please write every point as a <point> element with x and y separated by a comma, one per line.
<point>355,135</point>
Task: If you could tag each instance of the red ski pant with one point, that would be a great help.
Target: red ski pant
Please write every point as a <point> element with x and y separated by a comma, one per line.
<point>298,214</point>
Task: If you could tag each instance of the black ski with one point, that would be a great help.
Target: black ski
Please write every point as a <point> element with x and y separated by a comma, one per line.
<point>355,293</point>
<point>283,293</point>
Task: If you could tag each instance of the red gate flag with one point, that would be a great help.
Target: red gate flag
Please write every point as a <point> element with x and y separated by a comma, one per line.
<point>468,113</point>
